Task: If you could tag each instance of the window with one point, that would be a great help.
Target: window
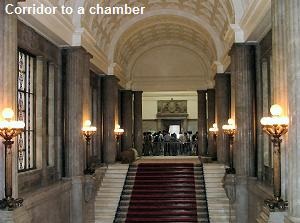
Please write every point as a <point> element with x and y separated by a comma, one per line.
<point>25,111</point>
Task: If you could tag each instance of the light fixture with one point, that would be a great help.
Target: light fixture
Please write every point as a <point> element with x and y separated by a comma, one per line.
<point>8,130</point>
<point>88,131</point>
<point>118,132</point>
<point>276,126</point>
<point>214,129</point>
<point>229,130</point>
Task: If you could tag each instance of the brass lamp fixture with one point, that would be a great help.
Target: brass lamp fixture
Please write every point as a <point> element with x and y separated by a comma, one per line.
<point>8,130</point>
<point>118,132</point>
<point>88,131</point>
<point>214,129</point>
<point>276,126</point>
<point>229,130</point>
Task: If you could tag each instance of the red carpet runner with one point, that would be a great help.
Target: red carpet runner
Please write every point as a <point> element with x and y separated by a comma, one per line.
<point>172,192</point>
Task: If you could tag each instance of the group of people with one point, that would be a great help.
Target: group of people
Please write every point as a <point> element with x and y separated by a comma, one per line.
<point>164,143</point>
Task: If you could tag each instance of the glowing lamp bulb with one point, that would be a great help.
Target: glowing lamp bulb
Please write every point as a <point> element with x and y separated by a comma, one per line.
<point>230,121</point>
<point>87,123</point>
<point>276,110</point>
<point>7,113</point>
<point>215,125</point>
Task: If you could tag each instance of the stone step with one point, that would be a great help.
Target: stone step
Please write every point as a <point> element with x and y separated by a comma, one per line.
<point>108,195</point>
<point>218,203</point>
<point>122,220</point>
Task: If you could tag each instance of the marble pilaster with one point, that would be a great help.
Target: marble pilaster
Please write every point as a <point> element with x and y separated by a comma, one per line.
<point>127,118</point>
<point>202,123</point>
<point>222,89</point>
<point>8,80</point>
<point>279,74</point>
<point>138,121</point>
<point>211,119</point>
<point>110,104</point>
<point>293,83</point>
<point>259,113</point>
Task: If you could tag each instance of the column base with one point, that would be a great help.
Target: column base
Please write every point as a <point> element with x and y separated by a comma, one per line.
<point>267,215</point>
<point>206,159</point>
<point>11,203</point>
<point>288,219</point>
<point>276,204</point>
<point>89,171</point>
<point>230,170</point>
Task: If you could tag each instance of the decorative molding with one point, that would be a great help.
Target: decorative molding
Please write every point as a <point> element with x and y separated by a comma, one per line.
<point>57,28</point>
<point>99,59</point>
<point>253,16</point>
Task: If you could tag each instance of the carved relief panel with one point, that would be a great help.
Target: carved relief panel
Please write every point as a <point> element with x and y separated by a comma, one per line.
<point>171,108</point>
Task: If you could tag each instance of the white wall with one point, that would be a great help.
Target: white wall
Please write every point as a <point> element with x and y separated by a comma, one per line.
<point>150,102</point>
<point>170,68</point>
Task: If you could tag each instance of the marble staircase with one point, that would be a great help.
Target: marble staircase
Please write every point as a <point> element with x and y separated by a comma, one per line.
<point>218,203</point>
<point>163,193</point>
<point>108,195</point>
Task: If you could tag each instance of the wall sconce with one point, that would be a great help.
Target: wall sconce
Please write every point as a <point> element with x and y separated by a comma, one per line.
<point>8,130</point>
<point>88,131</point>
<point>229,130</point>
<point>118,132</point>
<point>276,126</point>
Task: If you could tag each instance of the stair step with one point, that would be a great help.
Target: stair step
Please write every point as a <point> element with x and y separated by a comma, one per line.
<point>163,193</point>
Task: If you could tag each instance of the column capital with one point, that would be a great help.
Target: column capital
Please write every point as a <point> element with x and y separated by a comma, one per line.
<point>111,77</point>
<point>126,91</point>
<point>77,49</point>
<point>201,91</point>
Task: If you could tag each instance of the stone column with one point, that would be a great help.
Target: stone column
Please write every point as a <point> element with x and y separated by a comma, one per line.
<point>279,73</point>
<point>243,71</point>
<point>110,104</point>
<point>8,81</point>
<point>76,69</point>
<point>259,113</point>
<point>127,119</point>
<point>202,123</point>
<point>211,119</point>
<point>138,121</point>
<point>76,61</point>
<point>222,89</point>
<point>99,124</point>
<point>293,145</point>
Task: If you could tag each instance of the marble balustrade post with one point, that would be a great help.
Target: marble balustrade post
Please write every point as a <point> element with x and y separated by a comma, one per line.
<point>110,105</point>
<point>202,123</point>
<point>211,119</point>
<point>127,118</point>
<point>222,93</point>
<point>138,121</point>
<point>293,83</point>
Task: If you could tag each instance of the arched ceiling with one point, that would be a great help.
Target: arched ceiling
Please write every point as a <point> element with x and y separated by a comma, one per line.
<point>215,14</point>
<point>204,27</point>
<point>163,30</point>
<point>200,26</point>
